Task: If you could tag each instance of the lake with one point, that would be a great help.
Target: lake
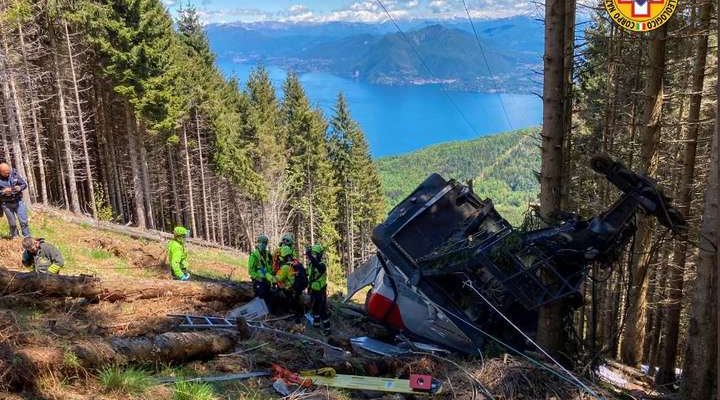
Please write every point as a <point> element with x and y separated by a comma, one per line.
<point>400,119</point>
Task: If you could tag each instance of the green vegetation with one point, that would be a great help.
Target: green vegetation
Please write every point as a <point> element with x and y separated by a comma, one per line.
<point>129,380</point>
<point>502,168</point>
<point>193,391</point>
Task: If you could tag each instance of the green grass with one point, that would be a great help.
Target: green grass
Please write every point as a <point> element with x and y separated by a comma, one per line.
<point>71,360</point>
<point>129,380</point>
<point>193,391</point>
<point>99,254</point>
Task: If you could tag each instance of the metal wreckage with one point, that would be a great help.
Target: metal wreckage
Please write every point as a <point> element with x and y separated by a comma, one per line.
<point>452,271</point>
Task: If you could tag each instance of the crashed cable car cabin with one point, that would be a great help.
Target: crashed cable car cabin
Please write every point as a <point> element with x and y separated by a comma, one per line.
<point>449,266</point>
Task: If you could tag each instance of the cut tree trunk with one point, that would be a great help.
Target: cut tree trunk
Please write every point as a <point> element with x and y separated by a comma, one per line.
<point>96,353</point>
<point>99,290</point>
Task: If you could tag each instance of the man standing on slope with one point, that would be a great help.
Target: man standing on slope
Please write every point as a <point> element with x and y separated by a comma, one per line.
<point>317,278</point>
<point>260,269</point>
<point>41,256</point>
<point>11,199</point>
<point>177,254</point>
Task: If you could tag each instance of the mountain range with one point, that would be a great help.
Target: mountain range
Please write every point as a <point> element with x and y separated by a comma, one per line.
<point>510,49</point>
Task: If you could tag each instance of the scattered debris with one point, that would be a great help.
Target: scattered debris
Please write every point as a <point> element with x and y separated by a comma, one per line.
<point>376,347</point>
<point>280,372</point>
<point>281,387</point>
<point>252,311</point>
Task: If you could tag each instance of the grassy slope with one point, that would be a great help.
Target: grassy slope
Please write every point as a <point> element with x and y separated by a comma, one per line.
<point>109,255</point>
<point>502,166</point>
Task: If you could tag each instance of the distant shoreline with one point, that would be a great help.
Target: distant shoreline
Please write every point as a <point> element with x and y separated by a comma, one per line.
<point>449,84</point>
<point>456,141</point>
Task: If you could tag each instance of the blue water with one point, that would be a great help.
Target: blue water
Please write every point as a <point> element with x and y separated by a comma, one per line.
<point>401,119</point>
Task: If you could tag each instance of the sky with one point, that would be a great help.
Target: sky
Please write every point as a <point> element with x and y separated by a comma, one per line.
<point>369,11</point>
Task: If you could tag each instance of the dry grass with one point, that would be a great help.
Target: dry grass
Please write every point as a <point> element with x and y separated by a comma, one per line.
<point>30,323</point>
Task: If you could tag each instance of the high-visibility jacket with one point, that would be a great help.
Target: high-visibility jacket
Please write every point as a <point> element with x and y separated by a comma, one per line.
<point>317,274</point>
<point>177,257</point>
<point>285,276</point>
<point>260,266</point>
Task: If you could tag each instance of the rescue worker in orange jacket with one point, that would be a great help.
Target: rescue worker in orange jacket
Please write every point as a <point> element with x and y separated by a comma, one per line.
<point>291,277</point>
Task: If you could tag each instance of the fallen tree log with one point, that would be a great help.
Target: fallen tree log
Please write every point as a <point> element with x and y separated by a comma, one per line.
<point>130,289</point>
<point>173,347</point>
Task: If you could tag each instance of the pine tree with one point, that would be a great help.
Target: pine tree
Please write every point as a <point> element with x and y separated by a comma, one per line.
<point>311,183</point>
<point>359,196</point>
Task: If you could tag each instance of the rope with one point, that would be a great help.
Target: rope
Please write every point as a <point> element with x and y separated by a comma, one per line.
<point>576,380</point>
<point>509,347</point>
<point>487,65</point>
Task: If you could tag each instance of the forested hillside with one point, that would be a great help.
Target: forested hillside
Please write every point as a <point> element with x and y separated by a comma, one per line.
<point>111,108</point>
<point>503,168</point>
<point>649,100</point>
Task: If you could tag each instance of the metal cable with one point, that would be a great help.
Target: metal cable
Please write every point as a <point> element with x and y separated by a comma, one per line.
<point>576,379</point>
<point>487,65</point>
<point>424,64</point>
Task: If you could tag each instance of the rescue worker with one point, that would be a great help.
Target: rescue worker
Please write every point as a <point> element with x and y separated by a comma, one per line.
<point>260,269</point>
<point>317,289</point>
<point>291,278</point>
<point>41,256</point>
<point>177,254</point>
<point>11,199</point>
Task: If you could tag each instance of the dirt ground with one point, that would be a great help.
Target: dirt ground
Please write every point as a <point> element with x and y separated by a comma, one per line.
<point>32,324</point>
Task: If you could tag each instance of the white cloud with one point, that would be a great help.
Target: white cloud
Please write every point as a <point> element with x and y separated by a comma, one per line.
<point>370,11</point>
<point>209,16</point>
<point>439,6</point>
<point>170,3</point>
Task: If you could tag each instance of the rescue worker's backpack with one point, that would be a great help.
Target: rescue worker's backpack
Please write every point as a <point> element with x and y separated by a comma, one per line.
<point>301,278</point>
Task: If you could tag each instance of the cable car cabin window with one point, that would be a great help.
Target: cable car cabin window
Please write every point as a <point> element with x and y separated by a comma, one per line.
<point>432,226</point>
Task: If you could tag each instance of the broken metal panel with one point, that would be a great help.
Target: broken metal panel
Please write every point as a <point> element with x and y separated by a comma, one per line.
<point>253,311</point>
<point>362,276</point>
<point>375,346</point>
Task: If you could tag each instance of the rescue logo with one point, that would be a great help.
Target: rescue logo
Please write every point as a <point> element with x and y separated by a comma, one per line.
<point>640,15</point>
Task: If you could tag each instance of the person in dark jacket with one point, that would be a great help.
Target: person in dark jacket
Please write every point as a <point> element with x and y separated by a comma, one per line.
<point>317,278</point>
<point>11,200</point>
<point>41,256</point>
